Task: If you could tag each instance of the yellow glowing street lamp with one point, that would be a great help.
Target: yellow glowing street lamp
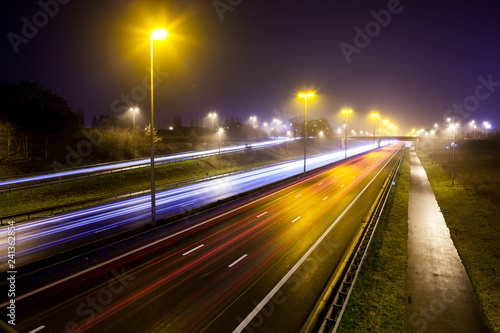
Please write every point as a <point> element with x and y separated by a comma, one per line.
<point>305,123</point>
<point>375,117</point>
<point>346,113</point>
<point>157,34</point>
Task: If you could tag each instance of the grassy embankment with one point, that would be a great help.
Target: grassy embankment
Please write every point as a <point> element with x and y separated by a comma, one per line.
<point>135,180</point>
<point>471,209</point>
<point>377,301</point>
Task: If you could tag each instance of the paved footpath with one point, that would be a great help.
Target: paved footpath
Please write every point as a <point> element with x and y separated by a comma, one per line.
<point>438,290</point>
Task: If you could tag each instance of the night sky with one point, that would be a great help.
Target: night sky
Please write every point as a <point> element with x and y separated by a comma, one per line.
<point>244,58</point>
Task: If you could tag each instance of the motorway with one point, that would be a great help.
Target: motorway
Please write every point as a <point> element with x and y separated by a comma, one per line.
<point>258,267</point>
<point>42,238</point>
<point>121,166</point>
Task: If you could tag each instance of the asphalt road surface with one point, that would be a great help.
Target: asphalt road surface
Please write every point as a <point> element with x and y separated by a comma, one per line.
<point>44,237</point>
<point>259,267</point>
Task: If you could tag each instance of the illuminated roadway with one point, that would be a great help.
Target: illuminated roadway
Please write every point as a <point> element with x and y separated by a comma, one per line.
<point>41,238</point>
<point>107,168</point>
<point>257,267</point>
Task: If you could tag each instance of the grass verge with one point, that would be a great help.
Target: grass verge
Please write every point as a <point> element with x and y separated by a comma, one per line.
<point>472,217</point>
<point>377,301</point>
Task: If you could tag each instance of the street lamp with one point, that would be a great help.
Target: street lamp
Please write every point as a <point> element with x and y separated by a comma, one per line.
<point>253,121</point>
<point>375,117</point>
<point>454,126</point>
<point>220,132</point>
<point>433,132</point>
<point>134,111</point>
<point>486,125</point>
<point>157,34</point>
<point>212,115</point>
<point>287,139</point>
<point>305,123</point>
<point>385,122</point>
<point>346,113</point>
<point>320,136</point>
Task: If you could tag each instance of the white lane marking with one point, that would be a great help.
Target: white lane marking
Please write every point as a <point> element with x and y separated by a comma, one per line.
<point>266,299</point>
<point>237,261</point>
<point>192,250</point>
<point>298,195</point>
<point>262,214</point>
<point>296,219</point>
<point>95,232</point>
<point>37,329</point>
<point>325,198</point>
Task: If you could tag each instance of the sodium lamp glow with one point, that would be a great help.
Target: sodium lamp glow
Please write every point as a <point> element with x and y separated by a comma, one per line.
<point>159,34</point>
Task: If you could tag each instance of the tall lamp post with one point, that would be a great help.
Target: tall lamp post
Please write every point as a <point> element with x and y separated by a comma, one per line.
<point>157,34</point>
<point>346,113</point>
<point>287,139</point>
<point>134,111</point>
<point>385,122</point>
<point>433,132</point>
<point>454,126</point>
<point>253,122</point>
<point>375,117</point>
<point>212,115</point>
<point>305,123</point>
<point>486,125</point>
<point>220,132</point>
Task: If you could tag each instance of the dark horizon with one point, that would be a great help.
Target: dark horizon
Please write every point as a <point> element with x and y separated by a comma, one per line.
<point>419,65</point>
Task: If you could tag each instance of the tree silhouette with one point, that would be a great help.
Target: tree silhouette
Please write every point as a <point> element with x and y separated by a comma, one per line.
<point>39,116</point>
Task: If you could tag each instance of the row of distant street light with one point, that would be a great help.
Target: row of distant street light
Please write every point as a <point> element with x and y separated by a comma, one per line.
<point>453,127</point>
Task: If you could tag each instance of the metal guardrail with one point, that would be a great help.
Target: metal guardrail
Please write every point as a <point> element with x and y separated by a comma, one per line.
<point>337,307</point>
<point>81,204</point>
